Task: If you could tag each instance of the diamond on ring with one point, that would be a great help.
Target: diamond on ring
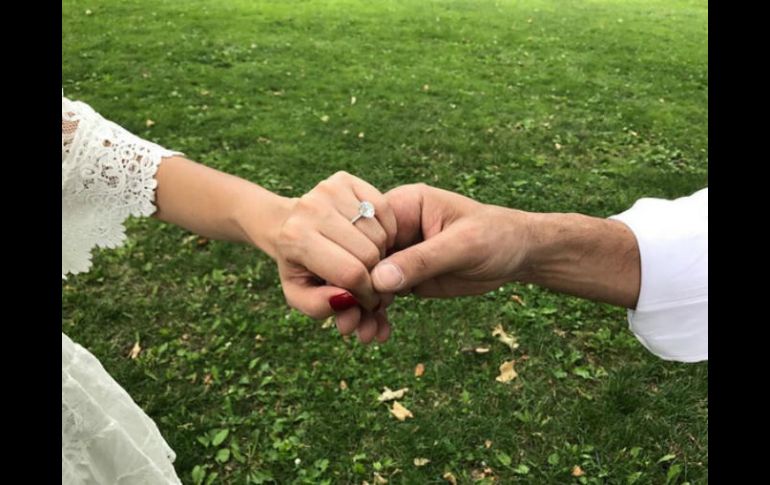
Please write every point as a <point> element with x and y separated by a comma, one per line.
<point>365,210</point>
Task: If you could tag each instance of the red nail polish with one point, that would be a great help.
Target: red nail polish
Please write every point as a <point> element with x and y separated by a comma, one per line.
<point>343,301</point>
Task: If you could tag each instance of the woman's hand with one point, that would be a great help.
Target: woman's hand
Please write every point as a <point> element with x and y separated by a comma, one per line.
<point>320,253</point>
<point>324,260</point>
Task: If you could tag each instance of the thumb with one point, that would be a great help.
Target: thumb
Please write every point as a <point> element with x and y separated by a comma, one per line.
<point>409,267</point>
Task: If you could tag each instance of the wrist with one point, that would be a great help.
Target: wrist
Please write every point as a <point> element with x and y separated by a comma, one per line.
<point>260,215</point>
<point>548,247</point>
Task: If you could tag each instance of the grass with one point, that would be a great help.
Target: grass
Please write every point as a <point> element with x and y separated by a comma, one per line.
<point>544,106</point>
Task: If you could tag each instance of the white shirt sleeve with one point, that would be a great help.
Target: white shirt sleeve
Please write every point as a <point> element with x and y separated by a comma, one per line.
<point>671,318</point>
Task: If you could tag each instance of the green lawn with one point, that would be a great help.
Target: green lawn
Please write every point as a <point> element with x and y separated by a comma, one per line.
<point>544,106</point>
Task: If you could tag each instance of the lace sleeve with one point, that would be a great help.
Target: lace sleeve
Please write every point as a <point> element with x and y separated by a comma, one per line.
<point>108,174</point>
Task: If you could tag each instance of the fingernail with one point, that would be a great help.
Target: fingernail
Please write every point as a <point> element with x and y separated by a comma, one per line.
<point>388,276</point>
<point>343,301</point>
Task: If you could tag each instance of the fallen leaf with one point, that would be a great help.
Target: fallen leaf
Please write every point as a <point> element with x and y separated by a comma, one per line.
<point>421,461</point>
<point>352,100</point>
<point>560,333</point>
<point>488,444</point>
<point>149,123</point>
<point>577,471</point>
<point>325,118</point>
<point>388,395</point>
<point>478,475</point>
<point>400,412</point>
<point>207,379</point>
<point>328,323</point>
<point>507,374</point>
<point>343,385</point>
<point>202,241</point>
<point>134,353</point>
<point>518,300</point>
<point>449,478</point>
<point>379,480</point>
<point>505,338</point>
<point>419,370</point>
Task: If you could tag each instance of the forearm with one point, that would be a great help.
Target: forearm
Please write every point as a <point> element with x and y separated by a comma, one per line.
<point>218,205</point>
<point>588,257</point>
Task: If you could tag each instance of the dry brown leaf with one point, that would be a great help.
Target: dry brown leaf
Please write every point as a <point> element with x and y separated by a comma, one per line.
<point>207,379</point>
<point>505,338</point>
<point>507,374</point>
<point>343,385</point>
<point>488,444</point>
<point>379,480</point>
<point>134,352</point>
<point>449,478</point>
<point>421,461</point>
<point>419,370</point>
<point>577,471</point>
<point>400,412</point>
<point>478,475</point>
<point>388,395</point>
<point>518,300</point>
<point>149,123</point>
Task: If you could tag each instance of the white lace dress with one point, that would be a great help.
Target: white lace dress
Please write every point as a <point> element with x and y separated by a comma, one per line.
<point>107,175</point>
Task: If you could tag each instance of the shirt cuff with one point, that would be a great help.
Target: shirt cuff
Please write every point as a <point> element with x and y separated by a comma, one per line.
<point>671,316</point>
